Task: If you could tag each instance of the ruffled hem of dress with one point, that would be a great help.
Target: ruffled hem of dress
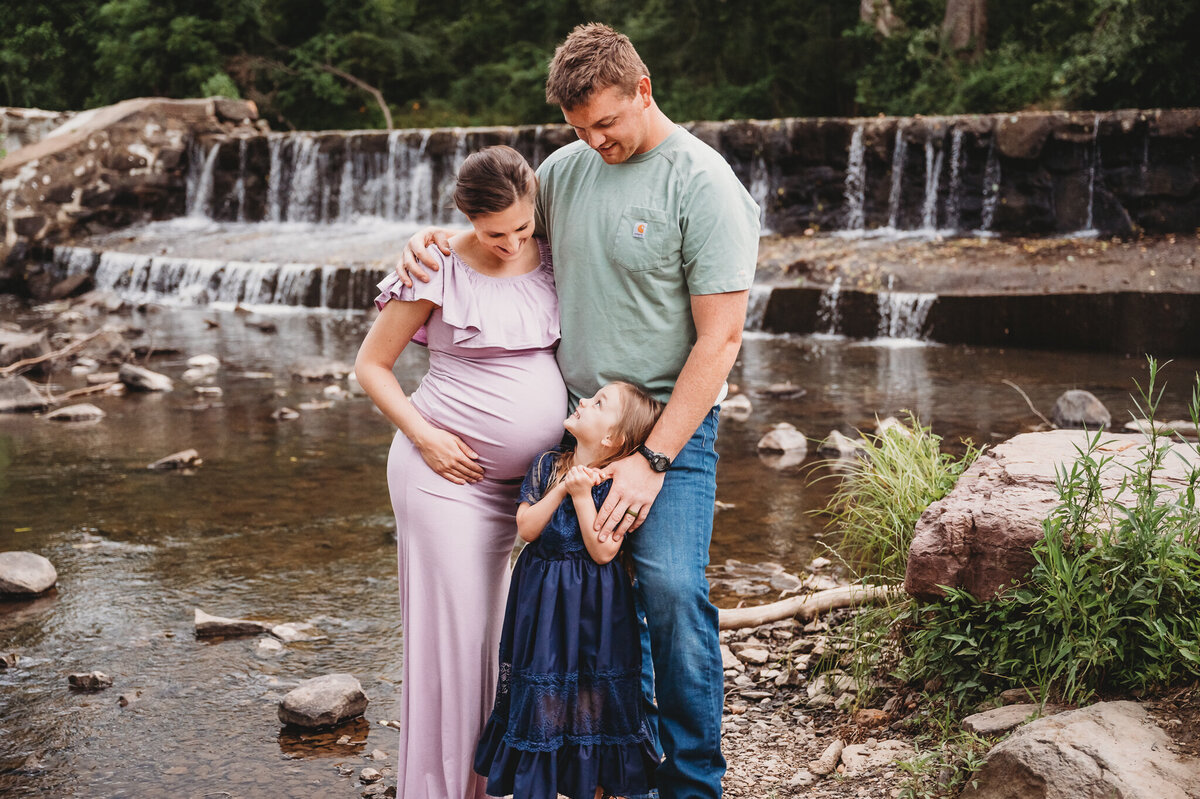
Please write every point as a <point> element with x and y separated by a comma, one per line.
<point>573,770</point>
<point>463,295</point>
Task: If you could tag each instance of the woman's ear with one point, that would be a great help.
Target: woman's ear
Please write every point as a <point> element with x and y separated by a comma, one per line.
<point>612,441</point>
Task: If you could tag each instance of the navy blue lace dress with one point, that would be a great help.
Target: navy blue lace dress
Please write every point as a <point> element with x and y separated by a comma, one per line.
<point>568,715</point>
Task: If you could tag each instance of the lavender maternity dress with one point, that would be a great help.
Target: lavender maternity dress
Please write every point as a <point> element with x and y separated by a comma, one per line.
<point>493,381</point>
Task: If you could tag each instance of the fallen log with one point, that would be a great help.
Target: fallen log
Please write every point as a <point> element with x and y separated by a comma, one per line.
<point>806,607</point>
<point>49,356</point>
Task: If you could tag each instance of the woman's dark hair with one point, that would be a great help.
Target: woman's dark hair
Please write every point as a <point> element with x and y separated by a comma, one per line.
<point>491,180</point>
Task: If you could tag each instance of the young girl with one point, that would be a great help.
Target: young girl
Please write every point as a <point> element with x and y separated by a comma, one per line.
<point>568,717</point>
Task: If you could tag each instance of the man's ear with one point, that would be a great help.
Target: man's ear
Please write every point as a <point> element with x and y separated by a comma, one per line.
<point>644,92</point>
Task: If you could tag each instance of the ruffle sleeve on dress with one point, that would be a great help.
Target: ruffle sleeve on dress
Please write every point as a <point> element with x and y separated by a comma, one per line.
<point>513,313</point>
<point>392,288</point>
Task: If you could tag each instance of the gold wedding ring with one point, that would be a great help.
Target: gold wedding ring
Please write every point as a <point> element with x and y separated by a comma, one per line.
<point>631,512</point>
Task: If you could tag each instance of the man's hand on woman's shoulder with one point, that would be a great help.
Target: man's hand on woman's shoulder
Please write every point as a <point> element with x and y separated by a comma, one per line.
<point>416,259</point>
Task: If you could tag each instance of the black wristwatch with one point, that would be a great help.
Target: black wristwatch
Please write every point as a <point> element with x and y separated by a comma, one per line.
<point>658,461</point>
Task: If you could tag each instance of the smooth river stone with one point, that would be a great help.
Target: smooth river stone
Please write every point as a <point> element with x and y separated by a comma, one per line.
<point>207,625</point>
<point>26,573</point>
<point>323,701</point>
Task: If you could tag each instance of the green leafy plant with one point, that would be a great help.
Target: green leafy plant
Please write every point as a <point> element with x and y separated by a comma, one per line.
<point>1113,599</point>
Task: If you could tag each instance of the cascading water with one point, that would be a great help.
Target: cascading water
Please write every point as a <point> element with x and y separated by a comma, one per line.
<point>829,309</point>
<point>760,190</point>
<point>856,182</point>
<point>933,177</point>
<point>199,199</point>
<point>991,190</point>
<point>1089,227</point>
<point>756,309</point>
<point>952,212</point>
<point>899,153</point>
<point>902,314</point>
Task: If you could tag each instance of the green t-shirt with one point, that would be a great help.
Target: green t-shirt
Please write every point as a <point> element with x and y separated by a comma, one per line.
<point>632,242</point>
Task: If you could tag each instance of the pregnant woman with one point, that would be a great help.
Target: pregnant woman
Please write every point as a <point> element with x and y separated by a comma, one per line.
<point>492,399</point>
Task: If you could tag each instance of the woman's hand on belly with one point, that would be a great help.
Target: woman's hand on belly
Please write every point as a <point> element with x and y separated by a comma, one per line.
<point>448,455</point>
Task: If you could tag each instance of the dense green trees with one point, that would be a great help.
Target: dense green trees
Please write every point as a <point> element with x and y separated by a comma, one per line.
<point>328,63</point>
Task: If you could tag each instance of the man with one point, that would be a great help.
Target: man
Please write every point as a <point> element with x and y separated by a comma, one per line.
<point>655,243</point>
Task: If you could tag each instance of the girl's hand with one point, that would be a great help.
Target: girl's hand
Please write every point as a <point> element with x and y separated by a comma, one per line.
<point>449,456</point>
<point>580,479</point>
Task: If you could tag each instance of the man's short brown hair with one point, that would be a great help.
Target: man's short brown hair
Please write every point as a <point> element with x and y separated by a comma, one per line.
<point>592,58</point>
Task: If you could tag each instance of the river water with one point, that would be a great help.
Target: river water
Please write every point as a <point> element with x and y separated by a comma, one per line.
<point>290,521</point>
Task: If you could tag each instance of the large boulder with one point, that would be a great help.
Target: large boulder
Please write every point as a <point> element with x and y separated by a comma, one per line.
<point>1111,750</point>
<point>323,701</point>
<point>1080,409</point>
<point>25,573</point>
<point>979,536</point>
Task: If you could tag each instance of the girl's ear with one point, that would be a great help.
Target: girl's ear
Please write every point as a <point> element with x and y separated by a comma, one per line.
<point>612,441</point>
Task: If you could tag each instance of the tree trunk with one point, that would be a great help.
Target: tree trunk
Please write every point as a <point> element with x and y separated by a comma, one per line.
<point>879,14</point>
<point>965,26</point>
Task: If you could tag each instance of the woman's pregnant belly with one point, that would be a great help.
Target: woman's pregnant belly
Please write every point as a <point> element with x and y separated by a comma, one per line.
<point>507,408</point>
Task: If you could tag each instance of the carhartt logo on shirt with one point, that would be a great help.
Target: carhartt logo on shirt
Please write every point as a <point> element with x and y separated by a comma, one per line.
<point>639,230</point>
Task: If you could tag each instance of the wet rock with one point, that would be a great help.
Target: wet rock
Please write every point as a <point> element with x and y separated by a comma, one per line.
<point>72,286</point>
<point>783,437</point>
<point>268,647</point>
<point>828,761</point>
<point>18,394</point>
<point>379,755</point>
<point>296,631</point>
<point>284,414</point>
<point>184,459</point>
<point>1110,749</point>
<point>137,378</point>
<point>1002,719</point>
<point>370,775</point>
<point>83,412</point>
<point>321,371</point>
<point>787,390</point>
<point>208,626</point>
<point>893,426</point>
<point>1080,409</point>
<point>979,536</point>
<point>864,757</point>
<point>109,346</point>
<point>91,681</point>
<point>737,406</point>
<point>25,573</point>
<point>316,405</point>
<point>323,701</point>
<point>1023,135</point>
<point>838,445</point>
<point>130,698</point>
<point>335,393</point>
<point>23,346</point>
<point>9,661</point>
<point>263,325</point>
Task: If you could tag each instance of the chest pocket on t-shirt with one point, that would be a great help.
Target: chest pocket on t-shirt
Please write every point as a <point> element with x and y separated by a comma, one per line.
<point>646,239</point>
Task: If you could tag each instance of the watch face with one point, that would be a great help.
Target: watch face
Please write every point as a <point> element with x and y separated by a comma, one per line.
<point>660,463</point>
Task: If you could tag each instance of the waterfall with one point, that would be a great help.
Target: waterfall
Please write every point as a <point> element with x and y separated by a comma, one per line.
<point>756,310</point>
<point>899,152</point>
<point>294,283</point>
<point>239,188</point>
<point>856,182</point>
<point>346,186</point>
<point>304,188</point>
<point>1089,229</point>
<point>902,314</point>
<point>829,314</point>
<point>199,201</point>
<point>422,178</point>
<point>760,190</point>
<point>275,180</point>
<point>933,176</point>
<point>991,188</point>
<point>953,206</point>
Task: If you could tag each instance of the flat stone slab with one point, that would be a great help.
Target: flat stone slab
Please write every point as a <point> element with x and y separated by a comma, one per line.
<point>865,757</point>
<point>1110,750</point>
<point>18,394</point>
<point>1002,719</point>
<point>208,625</point>
<point>979,536</point>
<point>23,573</point>
<point>323,701</point>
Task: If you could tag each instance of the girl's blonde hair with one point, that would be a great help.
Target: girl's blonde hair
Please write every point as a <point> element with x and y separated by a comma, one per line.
<point>639,413</point>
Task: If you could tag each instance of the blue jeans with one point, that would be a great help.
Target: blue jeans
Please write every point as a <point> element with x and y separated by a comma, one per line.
<point>681,655</point>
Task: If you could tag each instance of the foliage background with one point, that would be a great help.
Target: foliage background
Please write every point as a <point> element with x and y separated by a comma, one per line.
<point>483,61</point>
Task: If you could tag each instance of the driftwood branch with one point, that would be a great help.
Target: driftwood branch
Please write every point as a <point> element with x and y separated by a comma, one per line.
<point>79,392</point>
<point>26,363</point>
<point>806,607</point>
<point>1038,413</point>
<point>366,87</point>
